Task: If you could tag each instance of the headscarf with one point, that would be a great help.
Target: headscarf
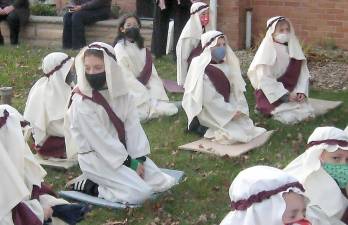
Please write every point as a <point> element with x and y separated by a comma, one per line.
<point>114,76</point>
<point>48,97</point>
<point>191,33</point>
<point>257,196</point>
<point>308,170</point>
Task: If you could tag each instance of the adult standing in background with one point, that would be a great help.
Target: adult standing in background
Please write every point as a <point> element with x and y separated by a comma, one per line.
<point>16,13</point>
<point>166,9</point>
<point>81,13</point>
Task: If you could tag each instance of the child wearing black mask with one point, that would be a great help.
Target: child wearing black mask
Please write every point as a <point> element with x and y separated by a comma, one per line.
<point>112,146</point>
<point>142,78</point>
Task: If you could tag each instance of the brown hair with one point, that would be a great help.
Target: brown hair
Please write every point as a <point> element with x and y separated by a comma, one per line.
<point>121,35</point>
<point>94,52</point>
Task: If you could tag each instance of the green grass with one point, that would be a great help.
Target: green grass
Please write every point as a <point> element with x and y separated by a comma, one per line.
<point>205,190</point>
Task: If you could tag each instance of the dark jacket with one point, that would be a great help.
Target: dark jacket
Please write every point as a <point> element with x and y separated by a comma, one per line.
<point>21,9</point>
<point>16,3</point>
<point>93,4</point>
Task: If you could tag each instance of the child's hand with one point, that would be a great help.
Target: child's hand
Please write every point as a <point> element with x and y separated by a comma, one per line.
<point>292,97</point>
<point>141,170</point>
<point>237,115</point>
<point>48,212</point>
<point>301,97</point>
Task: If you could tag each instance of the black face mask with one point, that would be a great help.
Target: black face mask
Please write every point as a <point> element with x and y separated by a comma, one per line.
<point>71,77</point>
<point>97,80</point>
<point>132,33</point>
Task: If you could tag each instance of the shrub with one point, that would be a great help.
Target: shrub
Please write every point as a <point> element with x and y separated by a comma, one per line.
<point>40,9</point>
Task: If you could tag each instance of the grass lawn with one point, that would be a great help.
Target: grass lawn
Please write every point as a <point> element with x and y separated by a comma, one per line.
<point>203,196</point>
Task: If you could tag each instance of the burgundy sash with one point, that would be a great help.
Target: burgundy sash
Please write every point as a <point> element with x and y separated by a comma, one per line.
<point>44,189</point>
<point>289,79</point>
<point>145,74</point>
<point>244,204</point>
<point>220,81</point>
<point>100,100</point>
<point>345,216</point>
<point>4,118</point>
<point>52,147</point>
<point>22,215</point>
<point>195,52</point>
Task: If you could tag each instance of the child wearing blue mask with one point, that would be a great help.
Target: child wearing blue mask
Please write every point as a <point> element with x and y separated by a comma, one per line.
<point>323,171</point>
<point>214,99</point>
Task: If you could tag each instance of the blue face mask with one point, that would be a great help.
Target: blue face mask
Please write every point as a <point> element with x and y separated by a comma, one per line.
<point>218,54</point>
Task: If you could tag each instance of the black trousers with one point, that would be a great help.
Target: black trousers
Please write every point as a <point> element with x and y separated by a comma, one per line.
<point>14,20</point>
<point>74,26</point>
<point>180,14</point>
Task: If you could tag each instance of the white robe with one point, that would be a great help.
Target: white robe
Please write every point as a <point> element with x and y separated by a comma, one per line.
<point>47,99</point>
<point>151,100</point>
<point>44,127</point>
<point>217,115</point>
<point>18,161</point>
<point>101,154</point>
<point>291,112</point>
<point>33,205</point>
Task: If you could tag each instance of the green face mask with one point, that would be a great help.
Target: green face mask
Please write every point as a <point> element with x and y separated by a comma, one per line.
<point>339,172</point>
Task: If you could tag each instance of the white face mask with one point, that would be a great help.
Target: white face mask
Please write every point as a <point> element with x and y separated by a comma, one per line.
<point>282,38</point>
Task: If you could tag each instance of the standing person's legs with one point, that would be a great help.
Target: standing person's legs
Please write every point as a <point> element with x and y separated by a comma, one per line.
<point>82,18</point>
<point>14,26</point>
<point>182,15</point>
<point>160,31</point>
<point>67,30</point>
<point>1,37</point>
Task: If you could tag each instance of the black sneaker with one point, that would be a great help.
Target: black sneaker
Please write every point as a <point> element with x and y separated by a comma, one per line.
<point>85,186</point>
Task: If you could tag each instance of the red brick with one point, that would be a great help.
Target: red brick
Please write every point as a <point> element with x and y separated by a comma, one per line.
<point>312,19</point>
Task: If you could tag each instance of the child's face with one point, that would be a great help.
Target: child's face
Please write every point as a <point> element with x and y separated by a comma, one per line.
<point>282,27</point>
<point>295,207</point>
<point>94,65</point>
<point>130,22</point>
<point>338,157</point>
<point>204,17</point>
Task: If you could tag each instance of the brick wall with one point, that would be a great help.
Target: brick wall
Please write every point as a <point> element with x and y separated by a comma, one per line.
<point>314,20</point>
<point>126,5</point>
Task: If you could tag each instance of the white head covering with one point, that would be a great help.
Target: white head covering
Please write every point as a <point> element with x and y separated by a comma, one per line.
<point>346,130</point>
<point>191,33</point>
<point>48,97</point>
<point>114,79</point>
<point>192,100</point>
<point>307,169</point>
<point>266,54</point>
<point>114,76</point>
<point>255,181</point>
<point>25,170</point>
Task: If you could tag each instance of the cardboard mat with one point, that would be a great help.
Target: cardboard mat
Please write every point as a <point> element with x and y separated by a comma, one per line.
<point>322,107</point>
<point>57,163</point>
<point>206,146</point>
<point>172,87</point>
